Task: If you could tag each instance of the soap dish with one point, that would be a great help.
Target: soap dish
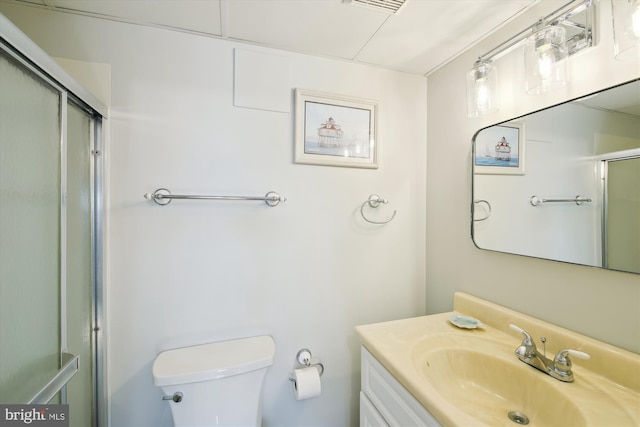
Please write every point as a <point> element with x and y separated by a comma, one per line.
<point>465,322</point>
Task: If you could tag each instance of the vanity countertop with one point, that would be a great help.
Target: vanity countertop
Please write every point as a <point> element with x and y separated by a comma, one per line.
<point>398,345</point>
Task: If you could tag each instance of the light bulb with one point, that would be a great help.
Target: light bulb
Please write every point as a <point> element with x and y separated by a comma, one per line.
<point>483,95</point>
<point>482,83</point>
<point>545,67</point>
<point>545,64</point>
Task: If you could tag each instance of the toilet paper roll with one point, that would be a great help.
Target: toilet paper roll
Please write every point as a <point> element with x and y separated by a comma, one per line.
<point>307,383</point>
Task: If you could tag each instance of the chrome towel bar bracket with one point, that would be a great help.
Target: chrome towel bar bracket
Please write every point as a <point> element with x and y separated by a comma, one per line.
<point>163,196</point>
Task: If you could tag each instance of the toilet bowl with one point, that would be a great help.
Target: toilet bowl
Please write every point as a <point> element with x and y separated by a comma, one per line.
<point>216,384</point>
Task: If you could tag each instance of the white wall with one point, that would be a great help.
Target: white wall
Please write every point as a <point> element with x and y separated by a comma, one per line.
<point>591,301</point>
<point>305,272</point>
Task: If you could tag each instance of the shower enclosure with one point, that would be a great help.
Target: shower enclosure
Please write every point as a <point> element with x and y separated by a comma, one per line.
<point>621,211</point>
<point>50,235</point>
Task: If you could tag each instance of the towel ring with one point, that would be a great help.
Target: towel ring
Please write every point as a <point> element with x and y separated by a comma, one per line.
<point>488,209</point>
<point>374,201</point>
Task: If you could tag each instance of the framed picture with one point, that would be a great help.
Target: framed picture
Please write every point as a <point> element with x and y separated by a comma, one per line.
<point>335,130</point>
<point>499,150</point>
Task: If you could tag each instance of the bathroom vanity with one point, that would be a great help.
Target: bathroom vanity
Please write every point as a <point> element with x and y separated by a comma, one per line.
<point>385,402</point>
<point>425,371</point>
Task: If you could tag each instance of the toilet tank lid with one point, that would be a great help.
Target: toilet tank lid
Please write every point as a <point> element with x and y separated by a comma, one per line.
<point>212,361</point>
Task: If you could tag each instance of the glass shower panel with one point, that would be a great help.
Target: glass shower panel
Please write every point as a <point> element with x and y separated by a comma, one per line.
<point>79,264</point>
<point>623,214</point>
<point>29,232</point>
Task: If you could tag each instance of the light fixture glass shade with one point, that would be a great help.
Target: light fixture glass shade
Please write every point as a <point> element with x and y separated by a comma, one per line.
<point>544,55</point>
<point>482,89</point>
<point>626,28</point>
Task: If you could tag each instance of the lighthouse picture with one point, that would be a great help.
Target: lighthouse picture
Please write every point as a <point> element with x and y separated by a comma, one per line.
<point>335,130</point>
<point>500,149</point>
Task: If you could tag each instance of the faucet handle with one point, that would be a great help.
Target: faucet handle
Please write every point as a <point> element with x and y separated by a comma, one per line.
<point>527,348</point>
<point>527,340</point>
<point>562,358</point>
<point>562,363</point>
<point>516,328</point>
<point>576,353</point>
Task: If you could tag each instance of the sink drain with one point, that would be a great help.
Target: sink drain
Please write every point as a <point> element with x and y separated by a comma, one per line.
<point>518,418</point>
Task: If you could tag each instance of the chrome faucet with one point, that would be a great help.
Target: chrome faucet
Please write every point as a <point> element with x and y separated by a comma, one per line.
<point>559,368</point>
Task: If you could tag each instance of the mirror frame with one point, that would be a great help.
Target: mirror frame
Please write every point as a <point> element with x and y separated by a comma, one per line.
<point>518,119</point>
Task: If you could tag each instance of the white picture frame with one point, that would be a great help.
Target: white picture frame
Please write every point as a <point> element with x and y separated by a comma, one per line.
<point>335,130</point>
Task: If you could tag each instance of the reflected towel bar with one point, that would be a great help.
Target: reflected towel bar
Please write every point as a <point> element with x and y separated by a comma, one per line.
<point>163,197</point>
<point>578,200</point>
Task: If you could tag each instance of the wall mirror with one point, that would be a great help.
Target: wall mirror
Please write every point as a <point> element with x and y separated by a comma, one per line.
<point>563,183</point>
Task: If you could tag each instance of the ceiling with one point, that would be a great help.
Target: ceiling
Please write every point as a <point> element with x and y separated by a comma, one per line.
<point>422,36</point>
<point>623,99</point>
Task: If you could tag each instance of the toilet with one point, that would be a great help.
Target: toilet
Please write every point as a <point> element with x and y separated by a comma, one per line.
<point>216,384</point>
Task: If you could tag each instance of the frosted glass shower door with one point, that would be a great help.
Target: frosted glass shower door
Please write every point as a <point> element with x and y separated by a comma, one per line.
<point>51,341</point>
<point>623,215</point>
<point>30,318</point>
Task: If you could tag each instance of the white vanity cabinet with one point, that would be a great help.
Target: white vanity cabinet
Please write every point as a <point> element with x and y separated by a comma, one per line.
<point>369,415</point>
<point>385,402</point>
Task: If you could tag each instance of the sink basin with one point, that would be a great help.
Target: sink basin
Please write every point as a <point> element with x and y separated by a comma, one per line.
<point>489,388</point>
<point>480,375</point>
<point>471,377</point>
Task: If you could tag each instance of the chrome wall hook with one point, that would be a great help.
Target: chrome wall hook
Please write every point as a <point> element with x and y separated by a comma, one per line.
<point>374,201</point>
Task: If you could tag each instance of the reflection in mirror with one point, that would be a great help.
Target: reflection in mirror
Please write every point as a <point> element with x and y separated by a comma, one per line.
<point>576,196</point>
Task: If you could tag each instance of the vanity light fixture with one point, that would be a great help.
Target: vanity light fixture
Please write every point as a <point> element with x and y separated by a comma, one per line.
<point>626,28</point>
<point>482,88</point>
<point>548,42</point>
<point>544,60</point>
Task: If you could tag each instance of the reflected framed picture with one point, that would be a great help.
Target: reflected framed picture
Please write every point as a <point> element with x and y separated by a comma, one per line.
<point>335,130</point>
<point>499,150</point>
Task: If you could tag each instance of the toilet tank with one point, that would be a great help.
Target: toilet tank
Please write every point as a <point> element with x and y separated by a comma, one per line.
<point>212,361</point>
<point>220,382</point>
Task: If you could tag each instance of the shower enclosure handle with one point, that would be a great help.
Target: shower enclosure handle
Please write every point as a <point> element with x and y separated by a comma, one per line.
<point>70,367</point>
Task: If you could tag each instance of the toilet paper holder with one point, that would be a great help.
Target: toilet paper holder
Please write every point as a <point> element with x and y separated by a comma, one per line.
<point>304,359</point>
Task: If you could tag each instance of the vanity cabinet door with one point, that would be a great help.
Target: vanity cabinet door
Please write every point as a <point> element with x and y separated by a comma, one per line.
<point>391,400</point>
<point>369,415</point>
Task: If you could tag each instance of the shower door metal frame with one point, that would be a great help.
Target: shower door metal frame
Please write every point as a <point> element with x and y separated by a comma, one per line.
<point>22,49</point>
<point>97,242</point>
<point>604,176</point>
